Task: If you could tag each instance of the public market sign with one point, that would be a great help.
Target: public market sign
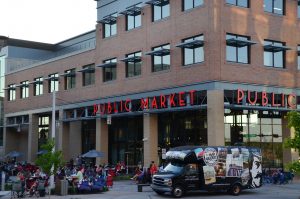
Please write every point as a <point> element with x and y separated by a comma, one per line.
<point>254,98</point>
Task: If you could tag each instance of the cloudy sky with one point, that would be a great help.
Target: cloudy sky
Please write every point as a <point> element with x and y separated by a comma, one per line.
<point>48,21</point>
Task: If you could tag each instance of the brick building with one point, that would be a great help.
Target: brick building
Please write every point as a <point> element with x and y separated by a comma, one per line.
<point>162,74</point>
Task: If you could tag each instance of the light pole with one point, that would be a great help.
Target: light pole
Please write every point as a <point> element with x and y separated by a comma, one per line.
<point>53,134</point>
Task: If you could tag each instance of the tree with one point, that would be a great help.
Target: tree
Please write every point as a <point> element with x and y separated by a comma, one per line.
<point>294,143</point>
<point>49,158</point>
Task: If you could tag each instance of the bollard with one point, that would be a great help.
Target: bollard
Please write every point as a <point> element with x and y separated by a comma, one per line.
<point>2,181</point>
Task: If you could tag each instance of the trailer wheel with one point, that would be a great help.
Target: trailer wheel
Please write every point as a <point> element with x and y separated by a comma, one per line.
<point>178,191</point>
<point>236,189</point>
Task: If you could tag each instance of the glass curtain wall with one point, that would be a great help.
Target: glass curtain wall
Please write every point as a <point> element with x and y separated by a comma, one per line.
<point>256,128</point>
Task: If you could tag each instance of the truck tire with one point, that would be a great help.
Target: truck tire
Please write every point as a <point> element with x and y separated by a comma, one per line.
<point>178,191</point>
<point>236,189</point>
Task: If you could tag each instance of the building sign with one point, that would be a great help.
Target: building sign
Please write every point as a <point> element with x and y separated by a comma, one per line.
<point>180,99</point>
<point>254,98</point>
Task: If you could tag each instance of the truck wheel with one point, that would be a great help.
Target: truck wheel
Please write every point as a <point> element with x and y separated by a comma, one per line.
<point>178,191</point>
<point>236,189</point>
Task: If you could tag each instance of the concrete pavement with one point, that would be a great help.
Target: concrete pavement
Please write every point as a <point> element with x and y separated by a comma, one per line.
<point>128,189</point>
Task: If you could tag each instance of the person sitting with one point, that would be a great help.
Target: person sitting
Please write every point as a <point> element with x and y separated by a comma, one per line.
<point>78,177</point>
<point>137,172</point>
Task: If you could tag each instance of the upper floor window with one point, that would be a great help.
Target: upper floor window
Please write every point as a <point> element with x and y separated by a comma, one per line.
<point>238,48</point>
<point>24,86</point>
<point>298,9</point>
<point>133,64</point>
<point>38,86</point>
<point>11,92</point>
<point>189,4</point>
<point>298,52</point>
<point>109,70</point>
<point>53,82</point>
<point>160,58</point>
<point>109,24</point>
<point>70,79</point>
<point>193,51</point>
<point>88,75</point>
<point>160,9</point>
<point>274,6</point>
<point>133,17</point>
<point>274,53</point>
<point>241,3</point>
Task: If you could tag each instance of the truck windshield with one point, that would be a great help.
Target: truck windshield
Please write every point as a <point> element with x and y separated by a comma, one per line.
<point>174,167</point>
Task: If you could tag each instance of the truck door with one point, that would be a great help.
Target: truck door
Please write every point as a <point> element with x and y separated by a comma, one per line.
<point>192,177</point>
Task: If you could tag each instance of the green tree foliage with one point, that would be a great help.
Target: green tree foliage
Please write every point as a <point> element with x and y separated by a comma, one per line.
<point>50,158</point>
<point>294,143</point>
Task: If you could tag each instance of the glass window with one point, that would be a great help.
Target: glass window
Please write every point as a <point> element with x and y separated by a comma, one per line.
<point>241,3</point>
<point>235,53</point>
<point>70,79</point>
<point>274,58</point>
<point>133,68</point>
<point>189,4</point>
<point>88,75</point>
<point>43,133</point>
<point>110,72</point>
<point>53,82</point>
<point>161,11</point>
<point>274,6</point>
<point>110,28</point>
<point>161,62</point>
<point>134,19</point>
<point>298,10</point>
<point>11,92</point>
<point>24,89</point>
<point>298,57</point>
<point>38,86</point>
<point>193,55</point>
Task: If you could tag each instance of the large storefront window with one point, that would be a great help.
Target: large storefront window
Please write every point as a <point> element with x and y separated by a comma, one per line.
<point>182,128</point>
<point>125,140</point>
<point>261,129</point>
<point>88,135</point>
<point>43,130</point>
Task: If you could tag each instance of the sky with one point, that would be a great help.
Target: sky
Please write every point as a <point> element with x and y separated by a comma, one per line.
<point>48,21</point>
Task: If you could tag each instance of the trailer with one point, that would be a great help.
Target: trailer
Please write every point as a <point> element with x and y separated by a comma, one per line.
<point>209,168</point>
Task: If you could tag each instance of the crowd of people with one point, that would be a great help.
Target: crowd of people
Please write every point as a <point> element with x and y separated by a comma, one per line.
<point>277,176</point>
<point>144,175</point>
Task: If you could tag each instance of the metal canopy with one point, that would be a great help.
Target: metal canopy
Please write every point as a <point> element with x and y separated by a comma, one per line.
<point>36,82</point>
<point>52,78</point>
<point>160,52</point>
<point>132,11</point>
<point>274,48</point>
<point>70,74</point>
<point>108,64</point>
<point>108,20</point>
<point>158,2</point>
<point>191,44</point>
<point>87,70</point>
<point>132,59</point>
<point>239,42</point>
<point>23,85</point>
<point>10,88</point>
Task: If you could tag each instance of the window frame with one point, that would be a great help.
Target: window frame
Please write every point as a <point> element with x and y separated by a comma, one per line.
<point>70,80</point>
<point>237,49</point>
<point>273,8</point>
<point>24,89</point>
<point>161,11</point>
<point>194,50</point>
<point>134,18</point>
<point>237,4</point>
<point>112,69</point>
<point>38,87</point>
<point>53,82</point>
<point>135,64</point>
<point>110,26</point>
<point>161,57</point>
<point>273,53</point>
<point>88,77</point>
<point>11,95</point>
<point>183,5</point>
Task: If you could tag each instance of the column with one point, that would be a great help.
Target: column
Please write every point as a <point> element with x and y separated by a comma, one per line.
<point>215,118</point>
<point>102,140</point>
<point>75,139</point>
<point>63,137</point>
<point>33,137</point>
<point>288,154</point>
<point>150,123</point>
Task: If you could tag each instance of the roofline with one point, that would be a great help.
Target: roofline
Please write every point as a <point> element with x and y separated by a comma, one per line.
<point>94,30</point>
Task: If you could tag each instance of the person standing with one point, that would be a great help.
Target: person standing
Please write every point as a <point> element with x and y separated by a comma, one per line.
<point>153,168</point>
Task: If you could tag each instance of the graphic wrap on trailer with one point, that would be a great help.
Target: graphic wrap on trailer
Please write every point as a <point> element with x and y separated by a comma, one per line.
<point>224,165</point>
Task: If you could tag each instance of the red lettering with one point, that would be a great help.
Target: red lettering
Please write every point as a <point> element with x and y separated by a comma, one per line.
<point>109,108</point>
<point>181,100</point>
<point>249,98</point>
<point>96,109</point>
<point>282,100</point>
<point>273,100</point>
<point>154,103</point>
<point>264,99</point>
<point>121,106</point>
<point>127,103</point>
<point>115,107</point>
<point>292,101</point>
<point>102,109</point>
<point>171,99</point>
<point>163,101</point>
<point>192,92</point>
<point>144,103</point>
<point>240,96</point>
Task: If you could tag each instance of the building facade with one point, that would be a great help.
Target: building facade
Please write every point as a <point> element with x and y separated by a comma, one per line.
<point>163,74</point>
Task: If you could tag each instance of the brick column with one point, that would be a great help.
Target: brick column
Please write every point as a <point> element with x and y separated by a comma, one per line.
<point>75,140</point>
<point>102,140</point>
<point>215,118</point>
<point>150,138</point>
<point>63,134</point>
<point>33,136</point>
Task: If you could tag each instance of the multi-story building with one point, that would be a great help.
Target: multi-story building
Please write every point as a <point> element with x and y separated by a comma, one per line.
<point>163,74</point>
